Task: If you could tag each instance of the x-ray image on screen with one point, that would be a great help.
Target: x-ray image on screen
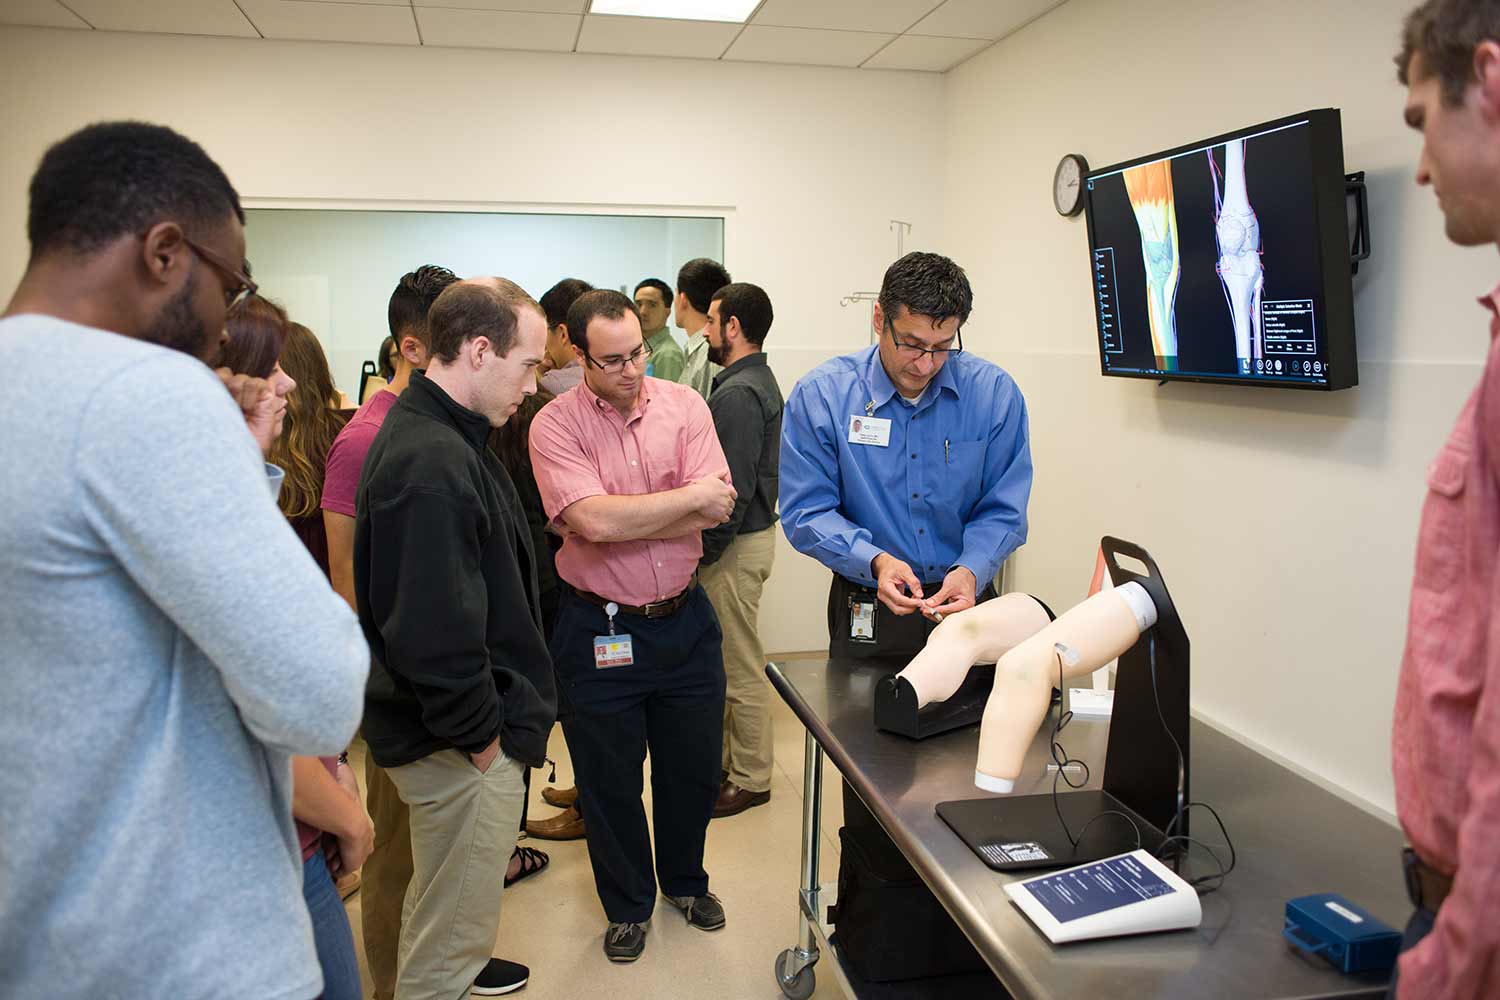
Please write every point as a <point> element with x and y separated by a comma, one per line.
<point>1240,267</point>
<point>1149,188</point>
<point>1207,262</point>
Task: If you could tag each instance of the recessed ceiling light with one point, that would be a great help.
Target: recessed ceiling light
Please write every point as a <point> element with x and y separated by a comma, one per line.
<point>686,10</point>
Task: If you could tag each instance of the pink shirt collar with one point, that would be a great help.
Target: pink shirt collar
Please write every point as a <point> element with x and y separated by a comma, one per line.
<point>1491,301</point>
<point>641,400</point>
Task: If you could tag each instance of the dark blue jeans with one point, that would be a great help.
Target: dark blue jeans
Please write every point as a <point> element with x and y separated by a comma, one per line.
<point>670,701</point>
<point>331,933</point>
<point>1418,927</point>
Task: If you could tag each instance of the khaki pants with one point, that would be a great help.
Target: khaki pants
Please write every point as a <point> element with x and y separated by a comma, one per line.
<point>384,878</point>
<point>734,584</point>
<point>463,828</point>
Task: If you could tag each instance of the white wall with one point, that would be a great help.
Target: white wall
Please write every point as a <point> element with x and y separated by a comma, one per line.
<point>334,270</point>
<point>1284,522</point>
<point>806,164</point>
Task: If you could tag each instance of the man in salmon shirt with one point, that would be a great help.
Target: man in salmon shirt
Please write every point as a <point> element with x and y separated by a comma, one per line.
<point>630,469</point>
<point>1446,742</point>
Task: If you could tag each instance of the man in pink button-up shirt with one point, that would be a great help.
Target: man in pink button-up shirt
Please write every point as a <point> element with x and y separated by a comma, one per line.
<point>1446,741</point>
<point>630,471</point>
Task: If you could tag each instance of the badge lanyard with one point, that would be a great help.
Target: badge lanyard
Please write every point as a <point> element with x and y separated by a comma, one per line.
<point>613,650</point>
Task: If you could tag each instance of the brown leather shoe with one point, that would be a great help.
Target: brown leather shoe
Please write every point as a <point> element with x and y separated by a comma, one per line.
<point>566,825</point>
<point>734,799</point>
<point>347,885</point>
<point>560,797</point>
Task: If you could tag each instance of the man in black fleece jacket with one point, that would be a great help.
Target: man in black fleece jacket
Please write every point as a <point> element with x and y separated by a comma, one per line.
<point>461,695</point>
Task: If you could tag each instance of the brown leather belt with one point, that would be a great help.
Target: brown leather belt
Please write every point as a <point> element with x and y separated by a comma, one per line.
<point>1425,886</point>
<point>656,609</point>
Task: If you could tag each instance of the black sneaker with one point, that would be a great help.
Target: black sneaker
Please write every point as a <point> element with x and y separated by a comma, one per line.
<point>500,977</point>
<point>703,912</point>
<point>624,942</point>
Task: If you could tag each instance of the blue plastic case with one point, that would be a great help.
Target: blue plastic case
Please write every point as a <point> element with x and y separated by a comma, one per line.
<point>1344,933</point>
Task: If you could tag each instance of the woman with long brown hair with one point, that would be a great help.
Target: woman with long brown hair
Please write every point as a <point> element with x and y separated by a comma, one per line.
<point>312,422</point>
<point>332,826</point>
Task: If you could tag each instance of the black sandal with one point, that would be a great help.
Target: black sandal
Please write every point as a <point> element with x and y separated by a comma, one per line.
<point>532,861</point>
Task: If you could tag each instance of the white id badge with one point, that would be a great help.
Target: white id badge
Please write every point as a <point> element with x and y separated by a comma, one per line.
<point>613,651</point>
<point>862,620</point>
<point>870,430</point>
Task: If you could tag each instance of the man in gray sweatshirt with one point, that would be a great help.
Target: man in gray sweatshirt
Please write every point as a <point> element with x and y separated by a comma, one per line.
<point>168,643</point>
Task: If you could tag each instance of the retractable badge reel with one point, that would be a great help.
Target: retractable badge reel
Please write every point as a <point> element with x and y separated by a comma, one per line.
<point>612,650</point>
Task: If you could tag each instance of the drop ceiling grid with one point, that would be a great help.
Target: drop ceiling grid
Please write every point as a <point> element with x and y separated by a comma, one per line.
<point>921,35</point>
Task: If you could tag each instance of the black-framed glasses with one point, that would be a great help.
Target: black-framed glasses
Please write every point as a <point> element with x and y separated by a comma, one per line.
<point>616,366</point>
<point>912,352</point>
<point>243,287</point>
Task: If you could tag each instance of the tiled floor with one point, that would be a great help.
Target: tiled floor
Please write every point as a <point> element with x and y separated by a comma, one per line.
<point>553,922</point>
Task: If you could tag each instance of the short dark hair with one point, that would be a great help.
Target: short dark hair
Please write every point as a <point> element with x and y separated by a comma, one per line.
<point>927,284</point>
<point>412,300</point>
<point>660,286</point>
<point>121,178</point>
<point>750,305</point>
<point>699,278</point>
<point>1445,33</point>
<point>589,306</point>
<point>487,307</point>
<point>256,329</point>
<point>559,298</point>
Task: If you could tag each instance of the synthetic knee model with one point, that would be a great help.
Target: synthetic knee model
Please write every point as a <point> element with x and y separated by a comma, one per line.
<point>1078,643</point>
<point>1240,268</point>
<point>1015,630</point>
<point>982,634</point>
<point>1149,187</point>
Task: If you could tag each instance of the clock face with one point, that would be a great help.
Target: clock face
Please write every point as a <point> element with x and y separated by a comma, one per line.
<point>1067,185</point>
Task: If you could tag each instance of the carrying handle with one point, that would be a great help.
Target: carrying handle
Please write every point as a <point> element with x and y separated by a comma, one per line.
<point>1112,547</point>
<point>1301,941</point>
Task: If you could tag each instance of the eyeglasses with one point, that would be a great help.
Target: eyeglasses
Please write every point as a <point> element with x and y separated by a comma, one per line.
<point>243,287</point>
<point>616,366</point>
<point>912,352</point>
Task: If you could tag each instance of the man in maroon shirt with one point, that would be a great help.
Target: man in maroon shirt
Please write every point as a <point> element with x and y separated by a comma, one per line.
<point>1446,738</point>
<point>388,868</point>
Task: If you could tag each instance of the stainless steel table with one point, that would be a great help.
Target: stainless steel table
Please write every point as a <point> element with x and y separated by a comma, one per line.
<point>1293,838</point>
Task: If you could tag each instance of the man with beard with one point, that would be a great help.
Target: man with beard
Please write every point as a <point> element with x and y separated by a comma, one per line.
<point>737,555</point>
<point>169,642</point>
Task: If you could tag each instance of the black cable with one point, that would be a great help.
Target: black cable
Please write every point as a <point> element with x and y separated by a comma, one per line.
<point>1203,884</point>
<point>1062,760</point>
<point>1162,717</point>
<point>1217,878</point>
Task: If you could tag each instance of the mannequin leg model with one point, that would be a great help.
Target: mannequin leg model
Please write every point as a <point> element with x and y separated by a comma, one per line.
<point>1150,190</point>
<point>1240,269</point>
<point>1083,639</point>
<point>982,634</point>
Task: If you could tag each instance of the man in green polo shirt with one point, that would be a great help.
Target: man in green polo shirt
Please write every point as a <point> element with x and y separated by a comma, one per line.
<point>653,298</point>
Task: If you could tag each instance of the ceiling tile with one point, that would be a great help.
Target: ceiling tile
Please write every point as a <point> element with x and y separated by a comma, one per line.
<point>527,6</point>
<point>492,29</point>
<point>39,14</point>
<point>926,52</point>
<point>654,36</point>
<point>981,18</point>
<point>809,46</point>
<point>889,16</point>
<point>180,17</point>
<point>382,24</point>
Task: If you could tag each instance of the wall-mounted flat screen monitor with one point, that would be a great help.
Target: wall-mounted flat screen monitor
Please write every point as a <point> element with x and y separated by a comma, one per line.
<point>1227,260</point>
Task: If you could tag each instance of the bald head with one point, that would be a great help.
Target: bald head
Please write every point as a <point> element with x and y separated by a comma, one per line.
<point>488,307</point>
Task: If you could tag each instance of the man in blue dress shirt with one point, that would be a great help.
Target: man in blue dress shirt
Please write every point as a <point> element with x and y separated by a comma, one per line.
<point>906,467</point>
